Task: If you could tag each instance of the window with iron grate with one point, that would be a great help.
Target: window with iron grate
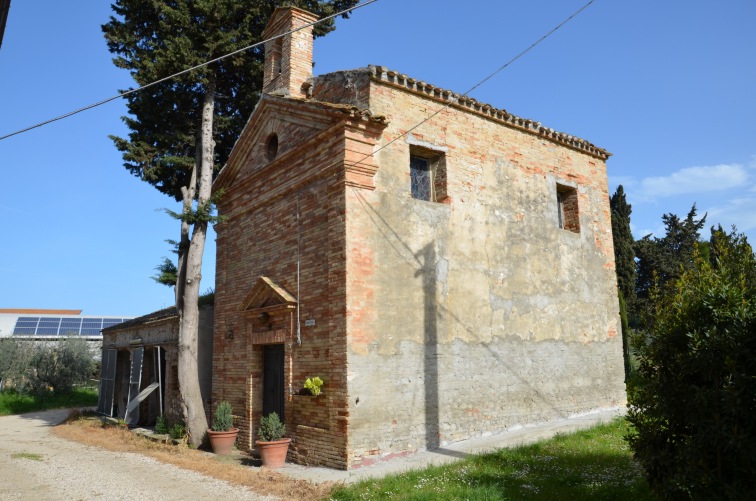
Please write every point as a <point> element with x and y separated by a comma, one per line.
<point>428,176</point>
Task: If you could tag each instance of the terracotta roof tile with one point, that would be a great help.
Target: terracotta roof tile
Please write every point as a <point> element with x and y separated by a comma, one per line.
<point>155,316</point>
<point>394,78</point>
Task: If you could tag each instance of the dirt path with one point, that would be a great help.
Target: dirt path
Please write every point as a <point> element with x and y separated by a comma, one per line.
<point>36,465</point>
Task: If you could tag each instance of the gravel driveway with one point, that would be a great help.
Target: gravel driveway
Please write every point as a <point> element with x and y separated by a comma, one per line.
<point>36,465</point>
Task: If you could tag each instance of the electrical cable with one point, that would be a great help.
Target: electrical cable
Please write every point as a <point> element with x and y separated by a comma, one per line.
<point>501,68</point>
<point>202,65</point>
<point>481,82</point>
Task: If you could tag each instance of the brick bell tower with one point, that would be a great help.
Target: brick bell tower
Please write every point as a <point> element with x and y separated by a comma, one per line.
<point>288,59</point>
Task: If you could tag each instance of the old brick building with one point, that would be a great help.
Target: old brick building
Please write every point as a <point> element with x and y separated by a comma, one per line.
<point>139,371</point>
<point>446,283</point>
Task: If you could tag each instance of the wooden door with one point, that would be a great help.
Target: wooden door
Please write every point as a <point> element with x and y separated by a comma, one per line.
<point>135,382</point>
<point>107,382</point>
<point>273,380</point>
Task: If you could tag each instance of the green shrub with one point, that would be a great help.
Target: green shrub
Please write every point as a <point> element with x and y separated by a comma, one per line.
<point>271,428</point>
<point>223,419</point>
<point>177,431</point>
<point>313,384</point>
<point>692,400</point>
<point>161,425</point>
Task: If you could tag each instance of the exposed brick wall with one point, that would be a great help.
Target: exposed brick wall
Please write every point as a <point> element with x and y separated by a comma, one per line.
<point>263,237</point>
<point>569,210</point>
<point>288,62</point>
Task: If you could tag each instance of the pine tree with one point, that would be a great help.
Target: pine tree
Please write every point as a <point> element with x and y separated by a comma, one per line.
<point>182,130</point>
<point>662,260</point>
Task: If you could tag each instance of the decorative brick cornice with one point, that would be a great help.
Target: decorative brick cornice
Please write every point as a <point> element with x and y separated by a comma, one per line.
<point>345,109</point>
<point>402,81</point>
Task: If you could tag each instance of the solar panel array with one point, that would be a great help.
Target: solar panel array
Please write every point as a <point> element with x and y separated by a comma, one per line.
<point>63,326</point>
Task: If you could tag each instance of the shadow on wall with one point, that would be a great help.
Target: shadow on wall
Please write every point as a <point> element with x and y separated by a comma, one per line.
<point>427,272</point>
<point>426,269</point>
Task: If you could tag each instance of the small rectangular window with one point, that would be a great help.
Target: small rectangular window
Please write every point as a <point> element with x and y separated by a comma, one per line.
<point>568,215</point>
<point>421,178</point>
<point>428,176</point>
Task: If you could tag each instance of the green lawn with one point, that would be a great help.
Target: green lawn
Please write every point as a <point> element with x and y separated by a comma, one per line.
<point>15,403</point>
<point>590,464</point>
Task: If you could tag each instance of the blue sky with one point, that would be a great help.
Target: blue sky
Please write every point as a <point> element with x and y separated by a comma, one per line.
<point>667,87</point>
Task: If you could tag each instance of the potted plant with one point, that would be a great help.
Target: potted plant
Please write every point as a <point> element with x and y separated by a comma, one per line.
<point>313,385</point>
<point>223,434</point>
<point>272,446</point>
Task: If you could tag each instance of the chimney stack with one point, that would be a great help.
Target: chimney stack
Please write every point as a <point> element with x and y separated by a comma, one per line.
<point>288,59</point>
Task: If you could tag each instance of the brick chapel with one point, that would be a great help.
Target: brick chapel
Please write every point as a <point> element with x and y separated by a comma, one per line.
<point>446,283</point>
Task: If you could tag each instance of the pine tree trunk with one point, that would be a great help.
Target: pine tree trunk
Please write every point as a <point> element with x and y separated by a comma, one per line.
<point>188,369</point>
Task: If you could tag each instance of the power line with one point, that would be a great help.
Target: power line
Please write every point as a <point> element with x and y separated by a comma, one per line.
<point>481,82</point>
<point>188,70</point>
<point>498,70</point>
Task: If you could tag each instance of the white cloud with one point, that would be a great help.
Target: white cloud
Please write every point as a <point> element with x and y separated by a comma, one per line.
<point>692,180</point>
<point>739,211</point>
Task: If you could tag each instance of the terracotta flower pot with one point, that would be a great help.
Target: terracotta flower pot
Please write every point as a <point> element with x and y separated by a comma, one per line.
<point>223,442</point>
<point>273,454</point>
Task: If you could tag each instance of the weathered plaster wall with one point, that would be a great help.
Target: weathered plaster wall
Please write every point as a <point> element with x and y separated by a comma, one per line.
<point>474,315</point>
<point>344,87</point>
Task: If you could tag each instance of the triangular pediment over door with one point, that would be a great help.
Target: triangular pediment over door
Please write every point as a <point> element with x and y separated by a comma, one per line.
<point>268,312</point>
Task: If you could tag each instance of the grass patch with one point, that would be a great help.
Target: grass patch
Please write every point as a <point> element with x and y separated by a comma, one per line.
<point>27,455</point>
<point>12,402</point>
<point>590,464</point>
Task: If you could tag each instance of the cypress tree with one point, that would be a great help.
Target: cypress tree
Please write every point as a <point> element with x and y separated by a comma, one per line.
<point>624,255</point>
<point>624,258</point>
<point>182,130</point>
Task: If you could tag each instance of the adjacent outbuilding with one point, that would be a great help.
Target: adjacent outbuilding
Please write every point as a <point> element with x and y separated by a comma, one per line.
<point>139,374</point>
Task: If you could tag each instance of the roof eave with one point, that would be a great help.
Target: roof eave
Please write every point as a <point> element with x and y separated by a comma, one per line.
<point>393,78</point>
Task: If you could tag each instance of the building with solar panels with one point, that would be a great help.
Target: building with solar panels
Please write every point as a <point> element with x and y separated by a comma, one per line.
<point>49,325</point>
